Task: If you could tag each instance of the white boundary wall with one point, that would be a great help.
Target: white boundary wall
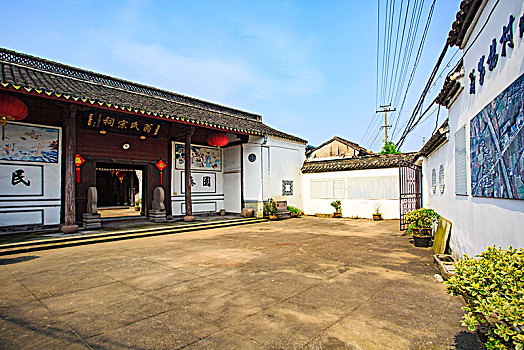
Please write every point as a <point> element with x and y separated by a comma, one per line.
<point>363,208</point>
<point>479,222</point>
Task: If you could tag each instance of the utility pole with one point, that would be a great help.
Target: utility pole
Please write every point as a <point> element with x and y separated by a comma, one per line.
<point>385,110</point>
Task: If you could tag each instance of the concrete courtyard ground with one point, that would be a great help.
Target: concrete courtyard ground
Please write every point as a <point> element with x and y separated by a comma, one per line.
<point>305,283</point>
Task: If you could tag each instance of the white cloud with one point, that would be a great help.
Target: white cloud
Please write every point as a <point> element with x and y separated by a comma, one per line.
<point>214,79</point>
<point>197,76</point>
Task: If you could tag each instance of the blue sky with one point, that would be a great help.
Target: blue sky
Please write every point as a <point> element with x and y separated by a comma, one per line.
<point>308,67</point>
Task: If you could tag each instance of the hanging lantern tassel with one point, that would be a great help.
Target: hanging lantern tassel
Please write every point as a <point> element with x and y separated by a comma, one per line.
<point>161,165</point>
<point>78,163</point>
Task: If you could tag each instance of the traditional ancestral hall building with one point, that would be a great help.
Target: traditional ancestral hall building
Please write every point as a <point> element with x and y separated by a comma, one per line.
<point>473,165</point>
<point>66,130</point>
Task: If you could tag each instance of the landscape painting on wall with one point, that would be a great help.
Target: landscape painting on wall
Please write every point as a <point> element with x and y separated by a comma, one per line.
<point>202,158</point>
<point>23,142</point>
<point>497,146</point>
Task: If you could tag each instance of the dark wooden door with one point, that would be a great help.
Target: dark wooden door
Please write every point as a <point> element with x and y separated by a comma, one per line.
<point>410,176</point>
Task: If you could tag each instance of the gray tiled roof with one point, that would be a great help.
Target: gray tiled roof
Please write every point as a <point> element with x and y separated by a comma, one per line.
<point>28,74</point>
<point>344,141</point>
<point>465,15</point>
<point>451,87</point>
<point>437,139</point>
<point>358,163</point>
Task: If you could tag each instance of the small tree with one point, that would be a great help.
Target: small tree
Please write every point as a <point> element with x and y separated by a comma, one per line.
<point>389,148</point>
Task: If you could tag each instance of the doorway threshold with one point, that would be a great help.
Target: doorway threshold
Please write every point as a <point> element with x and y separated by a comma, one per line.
<point>118,211</point>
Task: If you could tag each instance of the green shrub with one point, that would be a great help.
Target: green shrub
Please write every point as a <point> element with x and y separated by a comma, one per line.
<point>422,218</point>
<point>294,210</point>
<point>337,205</point>
<point>493,286</point>
<point>270,207</point>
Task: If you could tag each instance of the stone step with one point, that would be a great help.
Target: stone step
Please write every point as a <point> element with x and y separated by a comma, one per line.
<point>54,243</point>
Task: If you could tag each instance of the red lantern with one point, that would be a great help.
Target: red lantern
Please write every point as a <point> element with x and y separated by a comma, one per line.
<point>219,140</point>
<point>11,108</point>
<point>121,174</point>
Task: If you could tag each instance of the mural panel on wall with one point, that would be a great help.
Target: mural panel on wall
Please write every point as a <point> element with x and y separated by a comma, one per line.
<point>202,158</point>
<point>497,146</point>
<point>29,143</point>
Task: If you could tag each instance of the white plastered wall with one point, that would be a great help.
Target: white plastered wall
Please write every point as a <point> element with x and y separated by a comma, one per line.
<point>363,208</point>
<point>39,203</point>
<point>479,222</point>
<point>272,161</point>
<point>203,200</point>
<point>232,185</point>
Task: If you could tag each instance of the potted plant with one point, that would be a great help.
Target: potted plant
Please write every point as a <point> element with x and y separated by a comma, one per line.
<point>377,215</point>
<point>270,209</point>
<point>138,203</point>
<point>338,209</point>
<point>492,284</point>
<point>421,225</point>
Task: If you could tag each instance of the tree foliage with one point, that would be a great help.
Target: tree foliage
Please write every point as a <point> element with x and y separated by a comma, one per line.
<point>389,148</point>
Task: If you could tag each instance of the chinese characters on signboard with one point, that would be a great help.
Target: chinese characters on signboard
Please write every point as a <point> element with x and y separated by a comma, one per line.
<point>506,40</point>
<point>21,180</point>
<point>123,124</point>
<point>200,182</point>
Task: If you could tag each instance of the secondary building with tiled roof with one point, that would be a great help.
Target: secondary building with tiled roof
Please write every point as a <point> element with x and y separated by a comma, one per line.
<point>337,147</point>
<point>377,161</point>
<point>363,182</point>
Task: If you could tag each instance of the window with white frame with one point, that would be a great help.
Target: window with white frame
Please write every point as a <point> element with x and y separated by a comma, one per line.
<point>373,187</point>
<point>327,188</point>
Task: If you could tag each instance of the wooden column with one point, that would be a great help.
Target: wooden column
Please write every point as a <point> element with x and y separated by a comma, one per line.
<point>187,168</point>
<point>69,158</point>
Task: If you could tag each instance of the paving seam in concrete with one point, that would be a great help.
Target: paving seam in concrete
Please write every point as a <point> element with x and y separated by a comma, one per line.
<point>367,300</point>
<point>269,305</point>
<point>52,312</point>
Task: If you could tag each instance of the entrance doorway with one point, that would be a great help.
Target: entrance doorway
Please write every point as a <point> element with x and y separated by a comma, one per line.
<point>410,190</point>
<point>120,189</point>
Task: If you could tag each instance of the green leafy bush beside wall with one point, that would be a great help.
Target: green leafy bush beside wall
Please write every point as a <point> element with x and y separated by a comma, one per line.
<point>493,286</point>
<point>270,207</point>
<point>294,210</point>
<point>422,218</point>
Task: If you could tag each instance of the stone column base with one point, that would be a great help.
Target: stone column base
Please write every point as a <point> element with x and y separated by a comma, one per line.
<point>157,216</point>
<point>92,221</point>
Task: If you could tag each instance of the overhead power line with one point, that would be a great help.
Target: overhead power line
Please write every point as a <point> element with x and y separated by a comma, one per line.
<point>418,106</point>
<point>412,123</point>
